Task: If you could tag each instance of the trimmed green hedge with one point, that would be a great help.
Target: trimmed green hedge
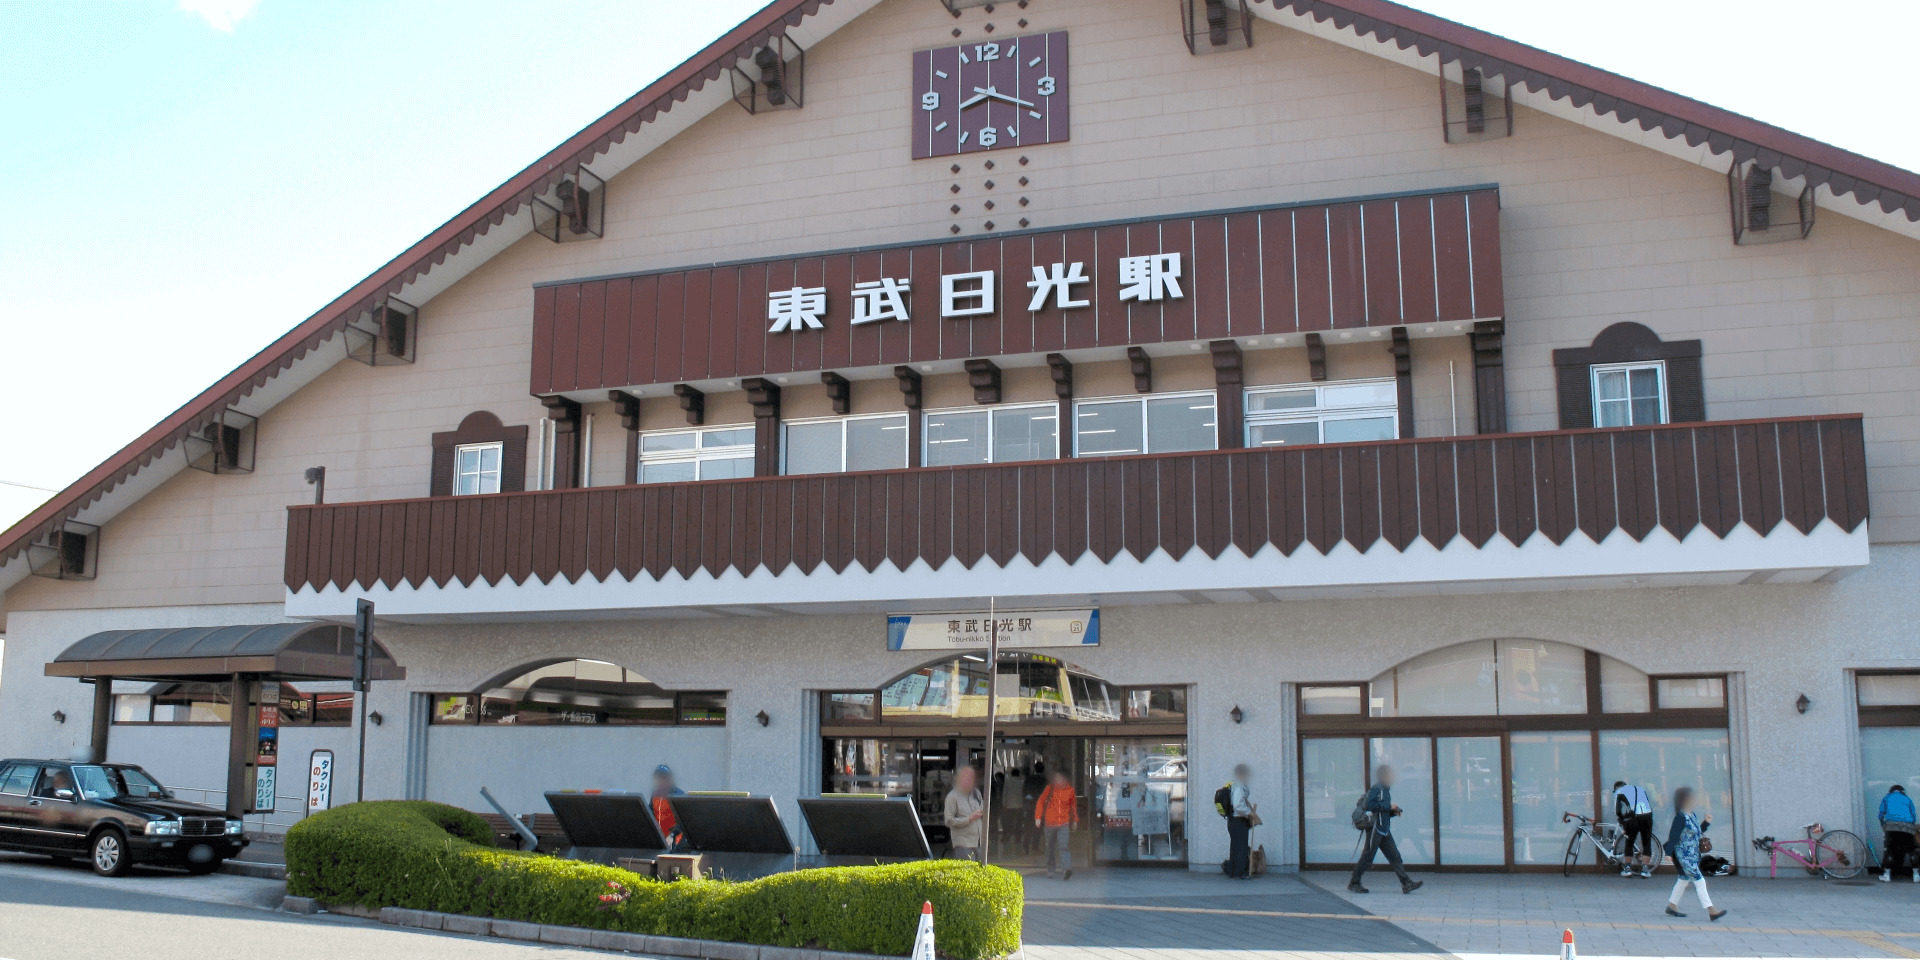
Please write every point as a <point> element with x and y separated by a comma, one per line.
<point>429,856</point>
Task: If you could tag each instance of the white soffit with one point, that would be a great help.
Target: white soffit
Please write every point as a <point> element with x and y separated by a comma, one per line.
<point>1895,221</point>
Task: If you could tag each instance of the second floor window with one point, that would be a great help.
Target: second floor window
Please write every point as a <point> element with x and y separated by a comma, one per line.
<point>1322,413</point>
<point>1158,423</point>
<point>718,453</point>
<point>476,468</point>
<point>1629,394</point>
<point>846,444</point>
<point>1000,435</point>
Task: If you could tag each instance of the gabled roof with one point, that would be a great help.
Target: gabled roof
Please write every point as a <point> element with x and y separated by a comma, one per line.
<point>1582,87</point>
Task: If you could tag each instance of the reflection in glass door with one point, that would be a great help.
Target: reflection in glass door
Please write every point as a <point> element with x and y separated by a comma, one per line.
<point>1473,822</point>
<point>1140,800</point>
<point>1412,761</point>
<point>1333,774</point>
<point>1552,774</point>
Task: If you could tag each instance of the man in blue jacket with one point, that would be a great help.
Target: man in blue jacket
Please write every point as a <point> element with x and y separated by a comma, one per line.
<point>1897,824</point>
<point>1379,803</point>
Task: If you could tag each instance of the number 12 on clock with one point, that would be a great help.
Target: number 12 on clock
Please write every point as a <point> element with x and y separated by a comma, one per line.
<point>971,97</point>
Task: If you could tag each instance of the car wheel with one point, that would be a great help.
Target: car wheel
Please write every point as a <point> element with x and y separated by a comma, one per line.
<point>202,869</point>
<point>108,853</point>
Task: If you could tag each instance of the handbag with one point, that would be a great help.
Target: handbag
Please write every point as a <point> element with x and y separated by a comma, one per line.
<point>1706,845</point>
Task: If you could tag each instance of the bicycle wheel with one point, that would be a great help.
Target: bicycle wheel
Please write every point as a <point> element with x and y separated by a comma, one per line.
<point>1841,855</point>
<point>1573,855</point>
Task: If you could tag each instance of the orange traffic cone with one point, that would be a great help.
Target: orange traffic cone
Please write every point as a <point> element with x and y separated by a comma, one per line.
<point>923,938</point>
<point>1566,946</point>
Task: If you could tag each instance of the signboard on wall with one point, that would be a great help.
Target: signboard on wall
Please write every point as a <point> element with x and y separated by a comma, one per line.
<point>320,781</point>
<point>1019,629</point>
<point>263,790</point>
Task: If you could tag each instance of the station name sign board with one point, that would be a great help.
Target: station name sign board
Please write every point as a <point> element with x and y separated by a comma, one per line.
<point>1370,262</point>
<point>1019,629</point>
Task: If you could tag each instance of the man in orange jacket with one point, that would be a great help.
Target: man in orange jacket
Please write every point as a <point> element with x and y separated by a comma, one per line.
<point>1057,813</point>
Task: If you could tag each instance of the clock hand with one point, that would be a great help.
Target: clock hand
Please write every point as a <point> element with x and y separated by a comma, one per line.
<point>982,94</point>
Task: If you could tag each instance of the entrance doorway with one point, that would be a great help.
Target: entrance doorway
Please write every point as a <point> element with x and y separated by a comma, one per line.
<point>1124,751</point>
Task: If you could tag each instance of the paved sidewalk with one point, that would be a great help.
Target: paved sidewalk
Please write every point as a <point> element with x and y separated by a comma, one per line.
<point>1468,914</point>
<point>1137,914</point>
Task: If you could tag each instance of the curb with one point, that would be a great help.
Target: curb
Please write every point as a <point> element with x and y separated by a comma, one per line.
<point>259,871</point>
<point>594,939</point>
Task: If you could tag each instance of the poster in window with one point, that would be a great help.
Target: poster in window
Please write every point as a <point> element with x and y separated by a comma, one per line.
<point>1152,811</point>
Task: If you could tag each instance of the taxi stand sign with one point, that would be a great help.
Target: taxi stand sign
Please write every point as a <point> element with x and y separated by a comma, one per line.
<point>1019,629</point>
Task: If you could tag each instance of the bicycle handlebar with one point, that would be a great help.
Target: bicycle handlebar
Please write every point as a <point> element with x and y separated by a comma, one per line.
<point>1570,816</point>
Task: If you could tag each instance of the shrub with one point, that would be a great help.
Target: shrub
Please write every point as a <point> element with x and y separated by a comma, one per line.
<point>429,856</point>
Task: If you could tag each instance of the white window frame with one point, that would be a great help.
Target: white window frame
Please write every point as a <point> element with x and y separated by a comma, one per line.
<point>1146,438</point>
<point>460,452</point>
<point>988,410</point>
<point>698,455</point>
<point>1320,413</point>
<point>906,432</point>
<point>1659,368</point>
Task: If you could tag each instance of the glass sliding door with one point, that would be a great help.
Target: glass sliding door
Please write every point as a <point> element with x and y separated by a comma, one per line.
<point>1140,800</point>
<point>1472,814</point>
<point>1412,761</point>
<point>1552,774</point>
<point>1662,761</point>
<point>1333,774</point>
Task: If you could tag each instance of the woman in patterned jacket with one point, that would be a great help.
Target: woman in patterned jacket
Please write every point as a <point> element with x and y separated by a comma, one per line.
<point>1683,845</point>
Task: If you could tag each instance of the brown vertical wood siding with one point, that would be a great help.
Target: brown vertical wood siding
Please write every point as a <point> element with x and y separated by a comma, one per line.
<point>1678,477</point>
<point>1357,263</point>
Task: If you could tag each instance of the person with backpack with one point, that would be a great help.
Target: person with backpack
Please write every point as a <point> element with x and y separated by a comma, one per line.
<point>1374,814</point>
<point>1633,810</point>
<point>1234,802</point>
<point>1897,826</point>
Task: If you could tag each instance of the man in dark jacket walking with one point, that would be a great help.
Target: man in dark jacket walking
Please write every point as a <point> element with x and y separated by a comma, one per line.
<point>1379,803</point>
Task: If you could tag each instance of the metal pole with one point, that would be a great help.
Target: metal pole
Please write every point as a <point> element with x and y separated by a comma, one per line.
<point>993,703</point>
<point>362,644</point>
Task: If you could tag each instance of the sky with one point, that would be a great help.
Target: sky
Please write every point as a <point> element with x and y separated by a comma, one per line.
<point>192,178</point>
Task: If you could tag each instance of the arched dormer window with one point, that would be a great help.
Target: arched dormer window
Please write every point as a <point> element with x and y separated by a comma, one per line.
<point>1629,377</point>
<point>481,456</point>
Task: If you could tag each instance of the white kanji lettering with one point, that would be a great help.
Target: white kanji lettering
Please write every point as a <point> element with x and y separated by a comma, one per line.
<point>796,309</point>
<point>1057,282</point>
<point>1155,277</point>
<point>880,300</point>
<point>972,300</point>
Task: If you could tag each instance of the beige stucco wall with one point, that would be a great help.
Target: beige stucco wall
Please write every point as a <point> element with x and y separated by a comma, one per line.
<point>1777,641</point>
<point>1596,230</point>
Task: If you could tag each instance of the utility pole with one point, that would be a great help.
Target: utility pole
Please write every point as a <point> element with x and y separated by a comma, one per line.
<point>362,652</point>
<point>993,707</point>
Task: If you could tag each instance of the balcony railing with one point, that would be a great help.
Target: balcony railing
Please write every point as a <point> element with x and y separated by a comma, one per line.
<point>1680,478</point>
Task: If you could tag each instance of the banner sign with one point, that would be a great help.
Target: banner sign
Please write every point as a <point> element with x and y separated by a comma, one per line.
<point>263,791</point>
<point>320,781</point>
<point>1019,629</point>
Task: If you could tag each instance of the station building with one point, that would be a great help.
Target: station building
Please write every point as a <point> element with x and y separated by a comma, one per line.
<point>1309,384</point>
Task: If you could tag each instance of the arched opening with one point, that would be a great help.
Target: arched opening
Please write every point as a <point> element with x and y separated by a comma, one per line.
<point>1123,749</point>
<point>569,724</point>
<point>577,693</point>
<point>1492,741</point>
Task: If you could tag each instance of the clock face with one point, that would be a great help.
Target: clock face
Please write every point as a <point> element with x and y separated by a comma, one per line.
<point>990,95</point>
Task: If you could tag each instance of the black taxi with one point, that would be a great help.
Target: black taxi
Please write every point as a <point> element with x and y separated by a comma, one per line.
<point>114,814</point>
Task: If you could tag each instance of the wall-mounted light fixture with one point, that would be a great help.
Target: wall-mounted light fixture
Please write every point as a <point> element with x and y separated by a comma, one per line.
<point>59,716</point>
<point>375,718</point>
<point>763,718</point>
<point>317,476</point>
<point>1803,704</point>
<point>1236,714</point>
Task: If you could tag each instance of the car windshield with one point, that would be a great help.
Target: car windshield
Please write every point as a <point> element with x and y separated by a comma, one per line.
<point>107,783</point>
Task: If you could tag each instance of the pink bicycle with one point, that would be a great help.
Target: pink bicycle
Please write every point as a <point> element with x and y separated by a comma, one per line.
<point>1838,854</point>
